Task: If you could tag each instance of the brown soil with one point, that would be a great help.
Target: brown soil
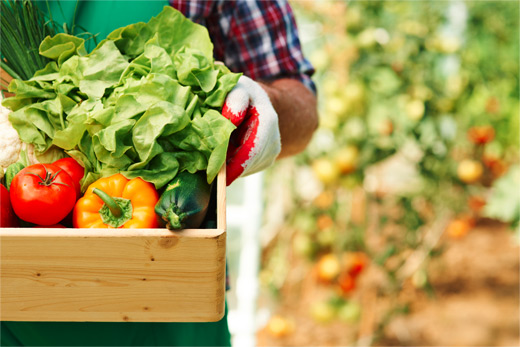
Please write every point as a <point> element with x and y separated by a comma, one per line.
<point>473,300</point>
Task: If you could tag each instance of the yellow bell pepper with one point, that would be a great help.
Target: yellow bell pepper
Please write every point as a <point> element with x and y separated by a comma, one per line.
<point>117,202</point>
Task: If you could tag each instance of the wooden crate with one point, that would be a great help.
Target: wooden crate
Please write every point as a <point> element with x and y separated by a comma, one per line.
<point>142,275</point>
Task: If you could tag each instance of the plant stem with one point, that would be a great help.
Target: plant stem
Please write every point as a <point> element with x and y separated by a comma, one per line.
<point>112,205</point>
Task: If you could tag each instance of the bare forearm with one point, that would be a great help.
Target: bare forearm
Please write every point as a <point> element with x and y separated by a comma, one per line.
<point>296,107</point>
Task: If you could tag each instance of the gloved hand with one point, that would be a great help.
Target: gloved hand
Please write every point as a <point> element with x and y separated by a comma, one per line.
<point>255,144</point>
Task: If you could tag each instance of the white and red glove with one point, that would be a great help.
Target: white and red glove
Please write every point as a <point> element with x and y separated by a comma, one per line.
<point>255,144</point>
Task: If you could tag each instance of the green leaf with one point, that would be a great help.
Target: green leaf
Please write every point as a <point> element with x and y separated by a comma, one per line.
<point>70,137</point>
<point>29,89</point>
<point>101,69</point>
<point>158,58</point>
<point>51,155</point>
<point>36,124</point>
<point>194,69</point>
<point>71,71</point>
<point>161,170</point>
<point>162,118</point>
<point>176,31</point>
<point>49,73</point>
<point>217,96</point>
<point>156,88</point>
<point>116,140</point>
<point>60,47</point>
<point>213,131</point>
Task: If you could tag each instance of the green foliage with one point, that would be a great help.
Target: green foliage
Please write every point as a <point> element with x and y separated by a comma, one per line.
<point>145,102</point>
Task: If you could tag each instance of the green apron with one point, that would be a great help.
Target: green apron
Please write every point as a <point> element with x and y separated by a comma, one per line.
<point>102,17</point>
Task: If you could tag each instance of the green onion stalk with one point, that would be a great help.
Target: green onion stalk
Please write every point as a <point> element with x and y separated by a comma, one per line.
<point>22,28</point>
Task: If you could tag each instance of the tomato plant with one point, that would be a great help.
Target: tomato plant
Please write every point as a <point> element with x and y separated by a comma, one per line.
<point>42,194</point>
<point>417,137</point>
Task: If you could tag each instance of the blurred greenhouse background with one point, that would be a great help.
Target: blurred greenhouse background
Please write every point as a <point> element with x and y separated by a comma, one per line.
<point>399,224</point>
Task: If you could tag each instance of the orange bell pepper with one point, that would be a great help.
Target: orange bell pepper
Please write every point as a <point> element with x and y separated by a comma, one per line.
<point>117,202</point>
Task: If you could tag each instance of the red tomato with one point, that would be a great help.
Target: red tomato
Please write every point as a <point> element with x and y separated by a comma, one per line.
<point>75,171</point>
<point>42,194</point>
<point>480,135</point>
<point>355,262</point>
<point>347,283</point>
<point>7,217</point>
<point>459,227</point>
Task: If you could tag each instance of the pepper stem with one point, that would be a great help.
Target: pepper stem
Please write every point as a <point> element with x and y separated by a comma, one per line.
<point>112,205</point>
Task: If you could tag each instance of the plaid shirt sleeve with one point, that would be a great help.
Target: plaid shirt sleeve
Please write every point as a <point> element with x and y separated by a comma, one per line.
<point>258,38</point>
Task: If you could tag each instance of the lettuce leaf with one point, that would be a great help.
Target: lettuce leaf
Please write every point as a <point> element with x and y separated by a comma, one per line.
<point>145,102</point>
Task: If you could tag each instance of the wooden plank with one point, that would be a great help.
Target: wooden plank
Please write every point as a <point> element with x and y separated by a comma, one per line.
<point>145,275</point>
<point>175,277</point>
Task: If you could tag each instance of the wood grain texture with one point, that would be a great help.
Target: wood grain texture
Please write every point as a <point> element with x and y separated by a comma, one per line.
<point>141,275</point>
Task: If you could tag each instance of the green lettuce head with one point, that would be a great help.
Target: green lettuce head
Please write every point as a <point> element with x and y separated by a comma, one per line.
<point>145,102</point>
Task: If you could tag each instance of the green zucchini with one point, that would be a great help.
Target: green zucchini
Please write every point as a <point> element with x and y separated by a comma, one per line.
<point>184,202</point>
<point>11,171</point>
